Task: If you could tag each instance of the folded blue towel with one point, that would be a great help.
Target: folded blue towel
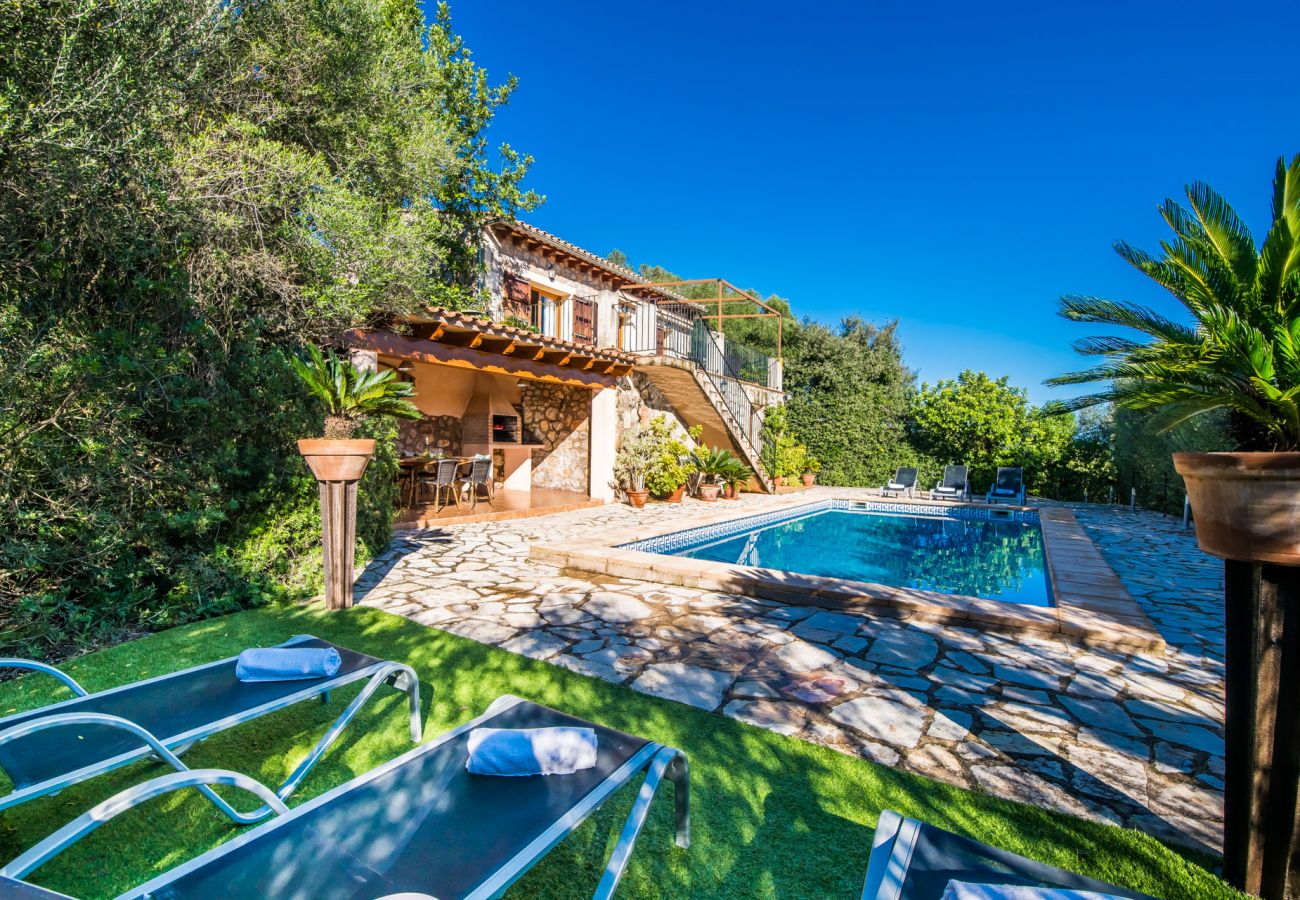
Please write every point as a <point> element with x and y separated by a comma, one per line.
<point>966,890</point>
<point>287,663</point>
<point>531,751</point>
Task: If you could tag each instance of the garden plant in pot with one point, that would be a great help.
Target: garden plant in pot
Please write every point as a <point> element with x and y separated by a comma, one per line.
<point>350,395</point>
<point>1236,349</point>
<point>737,474</point>
<point>670,466</point>
<point>636,454</point>
<point>714,464</point>
<point>811,466</point>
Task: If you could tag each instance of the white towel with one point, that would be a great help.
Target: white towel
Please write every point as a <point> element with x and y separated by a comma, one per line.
<point>531,751</point>
<point>966,890</point>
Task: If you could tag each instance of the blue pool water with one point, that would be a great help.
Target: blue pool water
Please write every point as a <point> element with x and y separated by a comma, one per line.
<point>994,559</point>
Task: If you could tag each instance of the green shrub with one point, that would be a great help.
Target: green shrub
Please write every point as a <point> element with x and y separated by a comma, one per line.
<point>161,256</point>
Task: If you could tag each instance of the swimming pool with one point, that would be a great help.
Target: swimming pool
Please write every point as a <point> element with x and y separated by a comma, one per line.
<point>994,554</point>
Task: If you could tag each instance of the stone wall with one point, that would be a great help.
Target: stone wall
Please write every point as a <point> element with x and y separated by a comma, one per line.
<point>430,434</point>
<point>559,418</point>
<point>639,401</point>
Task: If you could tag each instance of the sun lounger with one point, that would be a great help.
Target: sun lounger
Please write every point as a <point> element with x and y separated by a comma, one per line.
<point>48,749</point>
<point>419,824</point>
<point>1008,486</point>
<point>911,860</point>
<point>954,485</point>
<point>904,482</point>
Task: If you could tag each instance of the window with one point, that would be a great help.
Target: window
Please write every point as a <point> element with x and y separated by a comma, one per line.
<point>544,307</point>
<point>527,305</point>
<point>584,321</point>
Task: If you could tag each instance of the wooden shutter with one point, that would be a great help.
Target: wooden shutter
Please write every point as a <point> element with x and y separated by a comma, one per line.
<point>518,302</point>
<point>584,321</point>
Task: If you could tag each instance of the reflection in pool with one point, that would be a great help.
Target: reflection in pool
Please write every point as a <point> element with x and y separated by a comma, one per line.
<point>997,560</point>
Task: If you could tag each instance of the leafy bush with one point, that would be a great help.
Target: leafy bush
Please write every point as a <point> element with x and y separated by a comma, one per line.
<point>985,423</point>
<point>848,394</point>
<point>670,465</point>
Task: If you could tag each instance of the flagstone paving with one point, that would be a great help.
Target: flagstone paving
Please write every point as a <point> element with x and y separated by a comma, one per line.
<point>1134,739</point>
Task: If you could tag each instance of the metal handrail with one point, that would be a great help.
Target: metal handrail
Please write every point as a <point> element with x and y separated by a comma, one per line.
<point>710,358</point>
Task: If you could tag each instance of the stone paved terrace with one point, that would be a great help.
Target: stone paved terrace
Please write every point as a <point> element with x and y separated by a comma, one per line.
<point>1134,739</point>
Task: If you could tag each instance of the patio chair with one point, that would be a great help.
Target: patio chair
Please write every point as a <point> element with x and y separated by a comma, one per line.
<point>480,476</point>
<point>443,480</point>
<point>954,485</point>
<point>904,482</point>
<point>420,823</point>
<point>48,749</point>
<point>911,860</point>
<point>1008,486</point>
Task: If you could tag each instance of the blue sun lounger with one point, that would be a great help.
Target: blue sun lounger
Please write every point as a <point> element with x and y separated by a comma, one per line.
<point>48,749</point>
<point>1008,486</point>
<point>420,825</point>
<point>911,860</point>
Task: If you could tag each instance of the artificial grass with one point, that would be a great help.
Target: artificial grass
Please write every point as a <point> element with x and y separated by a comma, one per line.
<point>771,816</point>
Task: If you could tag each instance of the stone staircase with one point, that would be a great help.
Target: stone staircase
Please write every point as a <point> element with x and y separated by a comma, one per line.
<point>717,406</point>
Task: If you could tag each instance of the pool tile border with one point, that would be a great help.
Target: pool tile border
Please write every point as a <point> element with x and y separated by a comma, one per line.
<point>1092,605</point>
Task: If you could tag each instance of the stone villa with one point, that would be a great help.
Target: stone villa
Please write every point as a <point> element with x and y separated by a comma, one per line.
<point>572,351</point>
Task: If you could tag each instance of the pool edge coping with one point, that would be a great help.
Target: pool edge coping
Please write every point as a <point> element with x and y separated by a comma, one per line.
<point>1091,604</point>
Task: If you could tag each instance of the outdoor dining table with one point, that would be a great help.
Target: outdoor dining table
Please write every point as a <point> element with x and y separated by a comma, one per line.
<point>411,466</point>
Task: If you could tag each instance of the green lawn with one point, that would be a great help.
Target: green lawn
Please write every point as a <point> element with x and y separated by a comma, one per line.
<point>771,816</point>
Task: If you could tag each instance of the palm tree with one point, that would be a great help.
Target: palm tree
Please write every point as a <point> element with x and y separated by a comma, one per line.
<point>1242,352</point>
<point>351,394</point>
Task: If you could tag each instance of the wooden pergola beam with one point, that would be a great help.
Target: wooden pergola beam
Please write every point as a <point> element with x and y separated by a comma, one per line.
<point>479,360</point>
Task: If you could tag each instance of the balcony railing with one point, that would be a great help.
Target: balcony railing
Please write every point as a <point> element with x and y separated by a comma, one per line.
<point>683,334</point>
<point>681,331</point>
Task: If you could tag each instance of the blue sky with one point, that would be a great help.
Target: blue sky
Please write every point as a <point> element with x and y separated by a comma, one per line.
<point>956,166</point>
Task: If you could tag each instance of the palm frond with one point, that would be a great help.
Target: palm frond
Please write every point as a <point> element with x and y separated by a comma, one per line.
<point>351,392</point>
<point>1224,230</point>
<point>1078,308</point>
<point>1105,345</point>
<point>1286,193</point>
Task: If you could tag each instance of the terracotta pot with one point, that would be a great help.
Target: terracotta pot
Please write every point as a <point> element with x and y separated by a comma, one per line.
<point>808,479</point>
<point>336,460</point>
<point>778,479</point>
<point>638,498</point>
<point>676,496</point>
<point>730,491</point>
<point>1247,505</point>
<point>709,492</point>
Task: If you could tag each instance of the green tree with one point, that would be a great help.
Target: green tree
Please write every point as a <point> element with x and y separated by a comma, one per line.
<point>189,192</point>
<point>847,396</point>
<point>1242,352</point>
<point>478,188</point>
<point>985,423</point>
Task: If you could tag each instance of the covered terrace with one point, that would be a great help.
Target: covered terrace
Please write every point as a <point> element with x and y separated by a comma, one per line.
<point>542,409</point>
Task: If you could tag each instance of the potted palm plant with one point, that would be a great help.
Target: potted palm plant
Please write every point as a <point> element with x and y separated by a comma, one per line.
<point>737,474</point>
<point>338,460</point>
<point>714,465</point>
<point>1240,352</point>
